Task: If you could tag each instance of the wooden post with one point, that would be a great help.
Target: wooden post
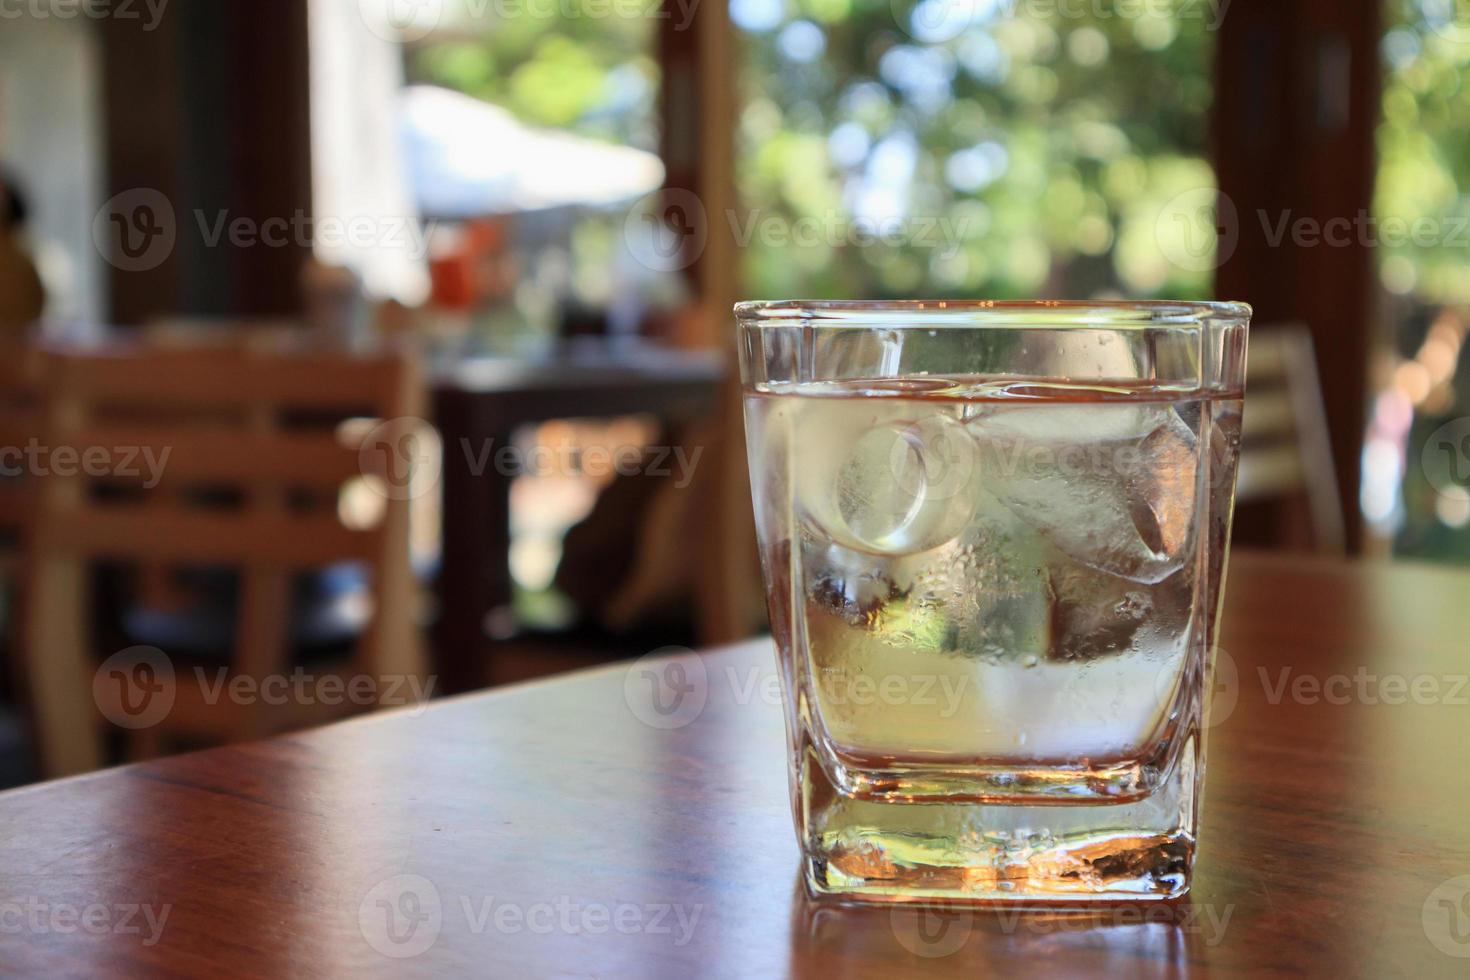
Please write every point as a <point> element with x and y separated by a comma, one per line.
<point>1296,103</point>
<point>699,154</point>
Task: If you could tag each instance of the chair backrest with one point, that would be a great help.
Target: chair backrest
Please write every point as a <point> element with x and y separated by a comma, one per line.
<point>223,457</point>
<point>1285,452</point>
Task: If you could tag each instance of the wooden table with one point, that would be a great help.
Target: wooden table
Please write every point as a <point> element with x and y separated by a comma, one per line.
<point>548,830</point>
<point>478,405</point>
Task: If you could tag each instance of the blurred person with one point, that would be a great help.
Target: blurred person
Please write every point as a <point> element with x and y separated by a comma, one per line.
<point>22,297</point>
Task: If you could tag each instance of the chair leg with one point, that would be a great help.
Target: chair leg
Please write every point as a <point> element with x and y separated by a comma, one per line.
<point>395,654</point>
<point>59,669</point>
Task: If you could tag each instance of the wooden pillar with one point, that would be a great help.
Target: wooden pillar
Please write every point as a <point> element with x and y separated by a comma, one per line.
<point>1296,105</point>
<point>699,110</point>
<point>144,132</point>
<point>209,110</point>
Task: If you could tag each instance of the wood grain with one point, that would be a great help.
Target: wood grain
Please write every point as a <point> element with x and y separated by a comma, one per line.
<point>544,817</point>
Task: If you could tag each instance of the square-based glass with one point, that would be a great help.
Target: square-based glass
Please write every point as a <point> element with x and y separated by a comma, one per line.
<point>994,537</point>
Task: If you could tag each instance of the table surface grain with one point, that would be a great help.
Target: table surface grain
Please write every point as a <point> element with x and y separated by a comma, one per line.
<point>554,829</point>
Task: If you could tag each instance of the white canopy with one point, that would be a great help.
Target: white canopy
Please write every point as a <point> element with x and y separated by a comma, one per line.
<point>467,158</point>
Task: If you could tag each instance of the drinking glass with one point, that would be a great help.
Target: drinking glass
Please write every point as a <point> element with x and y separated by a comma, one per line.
<point>993,537</point>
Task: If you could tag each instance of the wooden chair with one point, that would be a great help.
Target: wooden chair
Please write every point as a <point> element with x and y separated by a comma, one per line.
<point>1285,454</point>
<point>259,448</point>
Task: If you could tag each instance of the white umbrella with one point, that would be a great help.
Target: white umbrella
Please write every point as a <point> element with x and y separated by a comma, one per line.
<point>467,158</point>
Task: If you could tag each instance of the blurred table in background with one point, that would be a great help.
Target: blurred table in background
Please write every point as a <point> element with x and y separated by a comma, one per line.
<point>479,403</point>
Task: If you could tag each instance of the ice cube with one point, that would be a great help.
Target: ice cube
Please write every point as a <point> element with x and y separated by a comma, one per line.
<point>1094,614</point>
<point>883,476</point>
<point>1111,485</point>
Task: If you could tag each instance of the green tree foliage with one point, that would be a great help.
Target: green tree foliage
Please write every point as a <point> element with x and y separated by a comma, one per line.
<point>1029,146</point>
<point>1050,136</point>
<point>593,73</point>
<point>1424,152</point>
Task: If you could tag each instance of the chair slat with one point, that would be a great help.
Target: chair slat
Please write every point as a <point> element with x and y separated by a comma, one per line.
<point>1269,472</point>
<point>1268,414</point>
<point>172,534</point>
<point>221,456</point>
<point>204,379</point>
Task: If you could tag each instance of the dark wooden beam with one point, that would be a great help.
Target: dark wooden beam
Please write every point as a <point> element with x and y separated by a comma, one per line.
<point>1297,102</point>
<point>211,109</point>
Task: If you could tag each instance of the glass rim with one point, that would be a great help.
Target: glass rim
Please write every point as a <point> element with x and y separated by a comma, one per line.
<point>992,313</point>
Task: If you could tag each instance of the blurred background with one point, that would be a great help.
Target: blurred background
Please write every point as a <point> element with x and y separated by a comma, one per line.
<point>388,340</point>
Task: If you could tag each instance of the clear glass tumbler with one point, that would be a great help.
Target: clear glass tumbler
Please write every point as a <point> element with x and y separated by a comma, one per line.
<point>994,536</point>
